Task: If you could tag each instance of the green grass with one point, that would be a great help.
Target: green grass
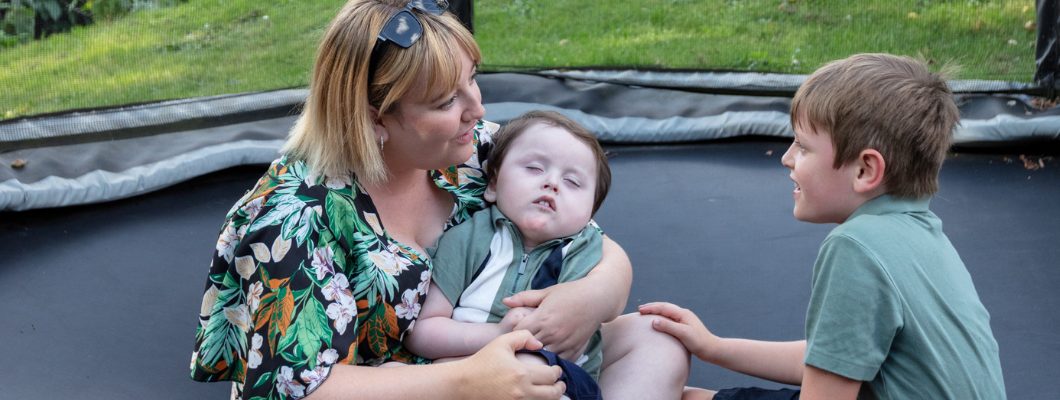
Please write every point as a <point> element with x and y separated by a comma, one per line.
<point>199,48</point>
<point>778,35</point>
<point>209,47</point>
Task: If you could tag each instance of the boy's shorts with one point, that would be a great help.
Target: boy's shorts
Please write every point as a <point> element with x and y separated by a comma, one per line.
<point>580,386</point>
<point>754,393</point>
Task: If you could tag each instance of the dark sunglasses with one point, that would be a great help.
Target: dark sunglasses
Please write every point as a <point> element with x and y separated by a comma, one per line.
<point>403,28</point>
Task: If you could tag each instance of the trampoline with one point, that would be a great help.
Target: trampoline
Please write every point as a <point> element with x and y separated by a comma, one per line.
<point>99,296</point>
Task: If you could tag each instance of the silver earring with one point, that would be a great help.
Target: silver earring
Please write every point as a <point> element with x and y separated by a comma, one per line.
<point>380,143</point>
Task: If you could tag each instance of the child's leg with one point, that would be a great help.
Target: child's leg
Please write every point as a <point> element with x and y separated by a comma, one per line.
<point>531,358</point>
<point>692,393</point>
<point>449,359</point>
<point>640,362</point>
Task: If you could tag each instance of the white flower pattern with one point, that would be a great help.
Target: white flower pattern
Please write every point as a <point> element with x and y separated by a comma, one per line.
<point>337,286</point>
<point>342,311</point>
<point>410,305</point>
<point>254,357</point>
<point>322,261</point>
<point>254,296</point>
<point>286,385</point>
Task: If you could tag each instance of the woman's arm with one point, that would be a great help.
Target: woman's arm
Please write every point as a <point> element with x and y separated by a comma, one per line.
<point>568,313</point>
<point>492,373</point>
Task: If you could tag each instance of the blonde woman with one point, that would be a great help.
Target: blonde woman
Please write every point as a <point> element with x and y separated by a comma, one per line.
<point>320,270</point>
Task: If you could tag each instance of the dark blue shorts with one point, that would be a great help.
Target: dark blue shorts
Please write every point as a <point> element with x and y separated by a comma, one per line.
<point>580,386</point>
<point>754,393</point>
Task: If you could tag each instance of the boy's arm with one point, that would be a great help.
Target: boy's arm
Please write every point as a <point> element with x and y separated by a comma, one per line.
<point>820,384</point>
<point>776,361</point>
<point>437,335</point>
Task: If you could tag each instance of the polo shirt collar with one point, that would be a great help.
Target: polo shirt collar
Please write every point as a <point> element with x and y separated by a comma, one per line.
<point>496,215</point>
<point>887,204</point>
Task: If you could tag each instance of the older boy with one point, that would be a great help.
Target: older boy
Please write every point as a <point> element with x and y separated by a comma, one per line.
<point>893,312</point>
<point>547,177</point>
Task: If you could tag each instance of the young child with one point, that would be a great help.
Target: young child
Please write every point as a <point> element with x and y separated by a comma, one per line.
<point>547,177</point>
<point>893,313</point>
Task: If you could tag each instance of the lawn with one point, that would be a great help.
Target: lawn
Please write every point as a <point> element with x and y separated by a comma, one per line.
<point>209,47</point>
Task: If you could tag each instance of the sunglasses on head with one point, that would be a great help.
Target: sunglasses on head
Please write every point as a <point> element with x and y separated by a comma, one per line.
<point>404,28</point>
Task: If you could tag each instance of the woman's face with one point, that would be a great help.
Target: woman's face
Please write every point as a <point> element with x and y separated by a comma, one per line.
<point>434,134</point>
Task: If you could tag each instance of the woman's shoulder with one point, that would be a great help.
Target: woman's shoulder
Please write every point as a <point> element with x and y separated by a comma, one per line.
<point>485,130</point>
<point>290,186</point>
<point>467,181</point>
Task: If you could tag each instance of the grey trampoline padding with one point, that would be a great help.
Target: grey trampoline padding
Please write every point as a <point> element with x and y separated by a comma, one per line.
<point>150,157</point>
<point>101,301</point>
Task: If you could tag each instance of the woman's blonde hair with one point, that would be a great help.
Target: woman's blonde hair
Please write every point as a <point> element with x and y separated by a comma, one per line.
<point>334,134</point>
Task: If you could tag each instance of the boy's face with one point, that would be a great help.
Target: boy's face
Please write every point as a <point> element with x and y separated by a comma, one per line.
<point>546,184</point>
<point>822,194</point>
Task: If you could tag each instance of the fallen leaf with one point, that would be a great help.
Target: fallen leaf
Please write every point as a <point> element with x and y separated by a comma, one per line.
<point>1043,103</point>
<point>769,152</point>
<point>19,163</point>
<point>1025,8</point>
<point>913,15</point>
<point>1013,42</point>
<point>563,42</point>
<point>1030,164</point>
<point>1030,26</point>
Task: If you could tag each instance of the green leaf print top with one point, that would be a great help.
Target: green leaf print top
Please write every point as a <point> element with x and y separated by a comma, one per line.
<point>304,277</point>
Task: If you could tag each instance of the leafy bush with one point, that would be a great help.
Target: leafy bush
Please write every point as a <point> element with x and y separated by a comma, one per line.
<point>25,19</point>
<point>21,20</point>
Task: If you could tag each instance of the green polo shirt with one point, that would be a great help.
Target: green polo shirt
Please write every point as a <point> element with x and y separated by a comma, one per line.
<point>893,304</point>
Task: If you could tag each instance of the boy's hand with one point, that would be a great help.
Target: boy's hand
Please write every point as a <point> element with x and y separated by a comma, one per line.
<point>512,318</point>
<point>685,326</point>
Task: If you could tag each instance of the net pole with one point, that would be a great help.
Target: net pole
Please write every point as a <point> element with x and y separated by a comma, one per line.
<point>464,10</point>
<point>1047,50</point>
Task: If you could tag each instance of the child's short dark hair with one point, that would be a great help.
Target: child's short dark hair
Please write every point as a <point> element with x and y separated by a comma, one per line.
<point>884,102</point>
<point>503,139</point>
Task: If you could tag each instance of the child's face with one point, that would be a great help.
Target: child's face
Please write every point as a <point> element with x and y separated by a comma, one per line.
<point>546,185</point>
<point>822,194</point>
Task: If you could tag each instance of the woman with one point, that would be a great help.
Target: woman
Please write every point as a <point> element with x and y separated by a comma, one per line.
<point>319,269</point>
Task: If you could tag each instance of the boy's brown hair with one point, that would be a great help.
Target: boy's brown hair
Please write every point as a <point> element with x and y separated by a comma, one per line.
<point>503,139</point>
<point>884,102</point>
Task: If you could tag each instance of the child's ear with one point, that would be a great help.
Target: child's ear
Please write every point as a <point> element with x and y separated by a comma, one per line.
<point>491,192</point>
<point>870,166</point>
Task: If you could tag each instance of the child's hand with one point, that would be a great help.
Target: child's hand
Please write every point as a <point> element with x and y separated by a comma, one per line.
<point>512,318</point>
<point>685,326</point>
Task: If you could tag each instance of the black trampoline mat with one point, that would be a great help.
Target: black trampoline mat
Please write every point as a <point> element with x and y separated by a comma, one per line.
<point>101,301</point>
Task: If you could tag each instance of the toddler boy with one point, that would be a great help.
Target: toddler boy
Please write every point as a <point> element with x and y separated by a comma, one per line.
<point>893,312</point>
<point>547,177</point>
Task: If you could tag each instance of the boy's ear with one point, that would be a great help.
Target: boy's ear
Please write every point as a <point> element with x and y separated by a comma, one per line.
<point>870,166</point>
<point>377,124</point>
<point>491,192</point>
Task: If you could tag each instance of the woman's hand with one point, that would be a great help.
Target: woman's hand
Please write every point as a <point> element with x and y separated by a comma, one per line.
<point>494,372</point>
<point>491,373</point>
<point>683,325</point>
<point>567,314</point>
<point>562,320</point>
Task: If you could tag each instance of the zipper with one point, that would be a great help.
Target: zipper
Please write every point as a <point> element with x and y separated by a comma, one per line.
<point>522,269</point>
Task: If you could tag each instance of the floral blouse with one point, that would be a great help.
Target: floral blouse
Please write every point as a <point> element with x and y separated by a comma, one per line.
<point>305,277</point>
